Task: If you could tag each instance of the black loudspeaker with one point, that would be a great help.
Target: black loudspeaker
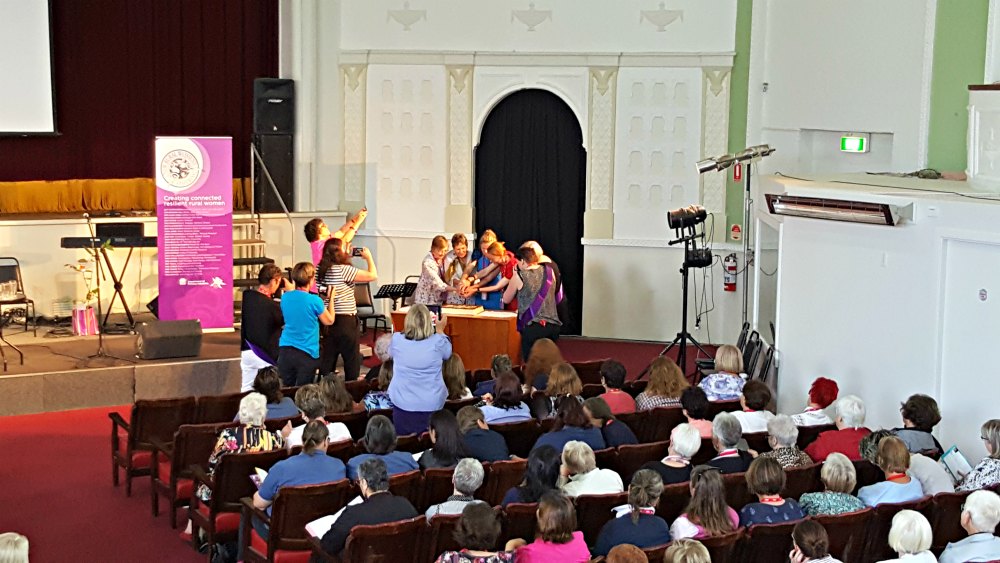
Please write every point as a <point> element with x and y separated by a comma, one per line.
<point>273,106</point>
<point>278,154</point>
<point>168,339</point>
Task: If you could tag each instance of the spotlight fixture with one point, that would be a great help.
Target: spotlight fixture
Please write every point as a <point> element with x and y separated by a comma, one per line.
<point>686,217</point>
<point>707,165</point>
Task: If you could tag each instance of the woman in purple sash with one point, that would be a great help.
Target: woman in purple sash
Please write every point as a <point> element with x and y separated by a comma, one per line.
<point>535,286</point>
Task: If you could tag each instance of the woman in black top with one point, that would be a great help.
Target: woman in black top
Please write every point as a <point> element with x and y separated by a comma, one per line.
<point>615,432</point>
<point>447,440</point>
<point>540,476</point>
<point>261,324</point>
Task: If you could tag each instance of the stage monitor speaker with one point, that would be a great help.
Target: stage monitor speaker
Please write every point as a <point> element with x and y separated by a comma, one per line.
<point>273,106</point>
<point>168,339</point>
<point>278,154</point>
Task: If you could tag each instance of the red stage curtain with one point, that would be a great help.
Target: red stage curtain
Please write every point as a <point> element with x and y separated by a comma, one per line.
<point>129,70</point>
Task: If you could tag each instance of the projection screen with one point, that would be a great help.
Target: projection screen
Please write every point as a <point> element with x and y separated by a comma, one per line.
<point>26,69</point>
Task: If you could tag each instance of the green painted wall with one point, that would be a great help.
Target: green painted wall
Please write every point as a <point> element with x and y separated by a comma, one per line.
<point>738,110</point>
<point>959,60</point>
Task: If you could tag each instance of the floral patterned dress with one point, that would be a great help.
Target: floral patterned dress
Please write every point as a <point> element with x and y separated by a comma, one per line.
<point>243,439</point>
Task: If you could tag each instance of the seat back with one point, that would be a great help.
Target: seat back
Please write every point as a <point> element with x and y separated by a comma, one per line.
<point>158,420</point>
<point>867,474</point>
<point>355,421</point>
<point>633,456</point>
<point>878,535</point>
<point>947,519</point>
<point>294,507</point>
<point>655,552</point>
<point>437,487</point>
<point>442,536</point>
<point>10,270</point>
<point>232,478</point>
<point>193,444</point>
<point>737,492</point>
<point>453,406</point>
<point>705,453</point>
<point>520,436</point>
<point>413,443</point>
<point>363,297</point>
<point>276,424</point>
<point>342,450</point>
<point>408,485</point>
<point>503,476</point>
<point>725,548</point>
<point>520,521</point>
<point>635,387</point>
<point>395,542</point>
<point>594,511</point>
<point>764,541</point>
<point>607,458</point>
<point>477,376</point>
<point>673,501</point>
<point>757,441</point>
<point>799,480</point>
<point>592,390</point>
<point>808,434</point>
<point>848,533</point>
<point>589,371</point>
<point>217,408</point>
<point>358,389</point>
<point>715,407</point>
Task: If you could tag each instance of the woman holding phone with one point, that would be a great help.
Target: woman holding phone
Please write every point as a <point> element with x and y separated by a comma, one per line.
<point>339,276</point>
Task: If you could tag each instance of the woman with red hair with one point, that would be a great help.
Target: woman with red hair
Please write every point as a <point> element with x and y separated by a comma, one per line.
<point>821,395</point>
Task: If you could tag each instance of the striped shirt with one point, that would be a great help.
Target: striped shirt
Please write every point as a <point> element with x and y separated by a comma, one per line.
<point>339,282</point>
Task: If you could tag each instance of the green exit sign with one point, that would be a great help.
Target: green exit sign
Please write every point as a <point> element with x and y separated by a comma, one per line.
<point>854,143</point>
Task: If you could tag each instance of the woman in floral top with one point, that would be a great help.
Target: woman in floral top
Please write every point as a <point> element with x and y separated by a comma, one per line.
<point>727,384</point>
<point>666,383</point>
<point>379,399</point>
<point>839,478</point>
<point>251,437</point>
<point>987,473</point>
<point>477,531</point>
<point>782,435</point>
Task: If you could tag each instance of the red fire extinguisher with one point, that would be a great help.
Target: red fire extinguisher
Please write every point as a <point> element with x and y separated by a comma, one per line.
<point>729,273</point>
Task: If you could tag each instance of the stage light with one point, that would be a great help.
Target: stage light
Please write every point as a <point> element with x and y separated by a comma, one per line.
<point>707,165</point>
<point>686,217</point>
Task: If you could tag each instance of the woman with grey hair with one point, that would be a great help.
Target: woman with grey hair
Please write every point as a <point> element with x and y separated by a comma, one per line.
<point>987,472</point>
<point>839,478</point>
<point>726,433</point>
<point>685,441</point>
<point>381,351</point>
<point>467,479</point>
<point>782,435</point>
<point>910,537</point>
<point>846,439</point>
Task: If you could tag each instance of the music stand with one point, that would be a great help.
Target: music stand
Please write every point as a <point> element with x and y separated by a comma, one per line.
<point>396,291</point>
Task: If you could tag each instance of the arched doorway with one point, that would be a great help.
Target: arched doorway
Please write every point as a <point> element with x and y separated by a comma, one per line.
<point>531,183</point>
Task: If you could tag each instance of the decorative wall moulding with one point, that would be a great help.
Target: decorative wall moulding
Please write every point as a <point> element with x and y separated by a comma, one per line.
<point>661,18</point>
<point>531,17</point>
<point>406,17</point>
<point>681,60</point>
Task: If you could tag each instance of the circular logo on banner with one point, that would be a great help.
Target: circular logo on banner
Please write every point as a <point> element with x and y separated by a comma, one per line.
<point>179,168</point>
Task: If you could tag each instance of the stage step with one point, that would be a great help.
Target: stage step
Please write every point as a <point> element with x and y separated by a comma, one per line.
<point>244,221</point>
<point>245,282</point>
<point>249,242</point>
<point>253,261</point>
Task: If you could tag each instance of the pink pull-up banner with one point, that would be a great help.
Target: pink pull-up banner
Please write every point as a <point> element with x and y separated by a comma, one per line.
<point>194,212</point>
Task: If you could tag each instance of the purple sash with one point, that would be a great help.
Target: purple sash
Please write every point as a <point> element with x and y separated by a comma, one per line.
<point>536,304</point>
<point>260,353</point>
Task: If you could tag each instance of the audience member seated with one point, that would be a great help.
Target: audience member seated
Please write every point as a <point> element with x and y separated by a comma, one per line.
<point>822,394</point>
<point>381,350</point>
<point>987,472</point>
<point>309,400</point>
<point>707,514</point>
<point>920,414</point>
<point>13,548</point>
<point>446,440</point>
<point>626,553</point>
<point>571,424</point>
<point>380,442</point>
<point>694,401</point>
<point>676,467</point>
<point>579,474</point>
<point>268,384</point>
<point>980,516</point>
<point>727,383</point>
<point>846,439</point>
<point>544,356</point>
<point>379,506</point>
<point>467,479</point>
<point>563,382</point>
<point>478,440</point>
<point>558,539</point>
<point>839,479</point>
<point>910,537</point>
<point>477,532</point>
<point>726,433</point>
<point>499,364</point>
<point>541,473</point>
<point>615,432</point>
<point>636,523</point>
<point>754,400</point>
<point>893,459</point>
<point>417,389</point>
<point>782,435</point>
<point>810,544</point>
<point>613,378</point>
<point>932,475</point>
<point>505,404</point>
<point>686,550</point>
<point>378,398</point>
<point>766,479</point>
<point>453,372</point>
<point>338,399</point>
<point>666,383</point>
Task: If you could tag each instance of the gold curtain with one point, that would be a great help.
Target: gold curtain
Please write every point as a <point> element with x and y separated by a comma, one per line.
<point>69,196</point>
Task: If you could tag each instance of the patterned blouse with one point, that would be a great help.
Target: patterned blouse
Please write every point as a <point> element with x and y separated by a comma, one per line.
<point>644,401</point>
<point>722,386</point>
<point>377,400</point>
<point>830,503</point>
<point>431,286</point>
<point>464,557</point>
<point>762,513</point>
<point>239,440</point>
<point>986,474</point>
<point>789,457</point>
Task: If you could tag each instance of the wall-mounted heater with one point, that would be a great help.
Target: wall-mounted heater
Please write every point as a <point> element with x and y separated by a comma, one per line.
<point>833,209</point>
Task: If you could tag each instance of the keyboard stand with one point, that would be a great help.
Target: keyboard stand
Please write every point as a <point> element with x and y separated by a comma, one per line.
<point>116,278</point>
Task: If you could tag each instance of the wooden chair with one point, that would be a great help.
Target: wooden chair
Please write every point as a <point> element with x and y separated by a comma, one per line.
<point>293,508</point>
<point>589,371</point>
<point>437,487</point>
<point>673,501</point>
<point>727,547</point>
<point>149,420</point>
<point>799,480</point>
<point>808,434</point>
<point>520,436</point>
<point>737,492</point>
<point>867,474</point>
<point>655,552</point>
<point>633,456</point>
<point>715,407</point>
<point>171,474</point>
<point>592,390</point>
<point>848,533</point>
<point>520,521</point>
<point>413,443</point>
<point>477,376</point>
<point>594,511</point>
<point>878,536</point>
<point>358,389</point>
<point>765,541</point>
<point>635,387</point>
<point>217,408</point>
<point>395,542</point>
<point>757,441</point>
<point>276,424</point>
<point>454,406</point>
<point>355,421</point>
<point>946,520</point>
<point>220,515</point>
<point>503,476</point>
<point>408,485</point>
<point>607,458</point>
<point>342,450</point>
<point>705,453</point>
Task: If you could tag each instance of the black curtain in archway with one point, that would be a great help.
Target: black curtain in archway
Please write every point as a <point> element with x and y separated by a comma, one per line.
<point>531,183</point>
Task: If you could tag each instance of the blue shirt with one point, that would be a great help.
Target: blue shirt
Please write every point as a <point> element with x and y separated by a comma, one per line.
<point>760,513</point>
<point>888,491</point>
<point>483,387</point>
<point>417,384</point>
<point>485,445</point>
<point>303,469</point>
<point>301,310</point>
<point>395,463</point>
<point>558,438</point>
<point>497,415</point>
<point>650,530</point>
<point>977,547</point>
<point>282,409</point>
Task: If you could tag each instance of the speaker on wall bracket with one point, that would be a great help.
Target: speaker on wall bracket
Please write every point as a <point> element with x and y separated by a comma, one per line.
<point>274,137</point>
<point>273,106</point>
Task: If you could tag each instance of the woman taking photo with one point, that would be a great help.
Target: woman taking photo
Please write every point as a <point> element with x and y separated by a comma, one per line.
<point>534,286</point>
<point>432,286</point>
<point>336,273</point>
<point>417,388</point>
